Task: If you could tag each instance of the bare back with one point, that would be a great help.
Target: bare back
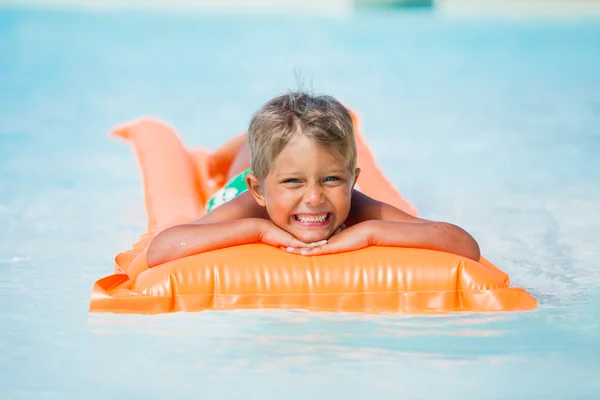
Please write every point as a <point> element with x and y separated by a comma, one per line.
<point>363,207</point>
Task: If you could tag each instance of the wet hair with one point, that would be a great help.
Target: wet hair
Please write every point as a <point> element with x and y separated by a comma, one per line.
<point>320,118</point>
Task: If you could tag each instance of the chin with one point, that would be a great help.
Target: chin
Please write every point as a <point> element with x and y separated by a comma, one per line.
<point>310,237</point>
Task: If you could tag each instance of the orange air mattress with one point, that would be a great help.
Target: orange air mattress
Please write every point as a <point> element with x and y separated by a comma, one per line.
<point>178,181</point>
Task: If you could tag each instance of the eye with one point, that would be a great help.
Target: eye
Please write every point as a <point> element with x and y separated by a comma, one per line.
<point>292,180</point>
<point>332,179</point>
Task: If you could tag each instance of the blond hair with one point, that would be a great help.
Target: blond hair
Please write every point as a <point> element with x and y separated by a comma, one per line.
<point>320,118</point>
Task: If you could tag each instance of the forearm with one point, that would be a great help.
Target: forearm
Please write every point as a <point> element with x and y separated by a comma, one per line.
<point>439,236</point>
<point>186,240</point>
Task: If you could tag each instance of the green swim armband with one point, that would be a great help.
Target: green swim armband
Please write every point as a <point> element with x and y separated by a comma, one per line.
<point>233,188</point>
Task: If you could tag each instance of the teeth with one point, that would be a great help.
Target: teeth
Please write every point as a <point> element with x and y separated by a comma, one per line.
<point>311,219</point>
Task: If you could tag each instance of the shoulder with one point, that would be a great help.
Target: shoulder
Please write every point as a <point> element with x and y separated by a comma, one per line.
<point>240,207</point>
<point>365,208</point>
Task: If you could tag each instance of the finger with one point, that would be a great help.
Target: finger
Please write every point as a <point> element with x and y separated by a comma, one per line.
<point>315,251</point>
<point>315,244</point>
<point>296,243</point>
<point>293,250</point>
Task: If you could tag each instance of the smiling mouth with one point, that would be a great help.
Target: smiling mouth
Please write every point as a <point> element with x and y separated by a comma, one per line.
<point>316,219</point>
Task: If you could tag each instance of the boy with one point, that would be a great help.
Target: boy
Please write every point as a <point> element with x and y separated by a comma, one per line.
<point>299,193</point>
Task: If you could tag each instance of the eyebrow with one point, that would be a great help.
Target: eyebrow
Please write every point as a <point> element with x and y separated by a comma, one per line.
<point>292,173</point>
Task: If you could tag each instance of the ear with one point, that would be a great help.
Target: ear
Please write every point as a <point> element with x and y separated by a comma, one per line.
<point>356,174</point>
<point>257,191</point>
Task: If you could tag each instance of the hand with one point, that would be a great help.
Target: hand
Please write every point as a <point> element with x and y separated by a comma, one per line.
<point>275,236</point>
<point>354,238</point>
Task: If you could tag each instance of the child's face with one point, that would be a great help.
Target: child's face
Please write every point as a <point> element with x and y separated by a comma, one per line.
<point>308,190</point>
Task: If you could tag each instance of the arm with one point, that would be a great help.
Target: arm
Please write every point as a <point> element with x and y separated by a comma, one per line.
<point>234,222</point>
<point>185,240</point>
<point>423,235</point>
<point>372,222</point>
<point>439,236</point>
<point>390,226</point>
<point>239,221</point>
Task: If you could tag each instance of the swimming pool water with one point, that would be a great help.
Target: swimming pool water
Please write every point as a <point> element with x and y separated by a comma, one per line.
<point>493,125</point>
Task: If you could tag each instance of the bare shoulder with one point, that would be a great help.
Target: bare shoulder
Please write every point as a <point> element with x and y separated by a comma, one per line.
<point>242,206</point>
<point>365,208</point>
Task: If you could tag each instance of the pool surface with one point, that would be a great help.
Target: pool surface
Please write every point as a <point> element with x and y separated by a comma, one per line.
<point>490,124</point>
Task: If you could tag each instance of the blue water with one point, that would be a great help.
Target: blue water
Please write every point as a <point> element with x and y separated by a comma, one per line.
<point>492,125</point>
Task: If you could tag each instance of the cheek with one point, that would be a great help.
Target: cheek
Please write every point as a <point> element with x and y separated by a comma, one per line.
<point>341,199</point>
<point>279,205</point>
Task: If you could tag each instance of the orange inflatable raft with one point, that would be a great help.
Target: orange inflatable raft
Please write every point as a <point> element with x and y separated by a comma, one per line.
<point>177,183</point>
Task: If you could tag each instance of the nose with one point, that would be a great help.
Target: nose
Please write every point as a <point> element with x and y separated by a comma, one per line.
<point>314,195</point>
